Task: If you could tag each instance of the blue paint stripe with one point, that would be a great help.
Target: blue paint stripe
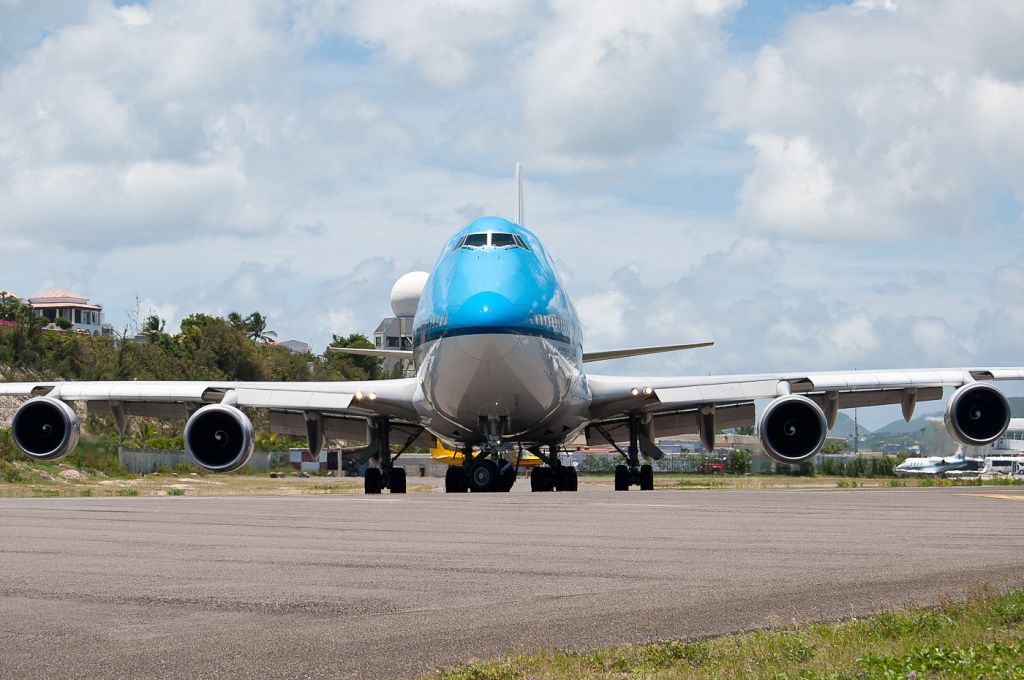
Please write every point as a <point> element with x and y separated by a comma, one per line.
<point>433,334</point>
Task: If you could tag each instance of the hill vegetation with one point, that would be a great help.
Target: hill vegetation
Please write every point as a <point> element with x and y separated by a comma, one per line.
<point>206,348</point>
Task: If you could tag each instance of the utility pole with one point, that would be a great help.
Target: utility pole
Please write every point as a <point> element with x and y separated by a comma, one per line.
<point>856,435</point>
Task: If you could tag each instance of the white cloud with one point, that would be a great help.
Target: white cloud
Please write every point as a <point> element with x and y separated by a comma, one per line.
<point>882,120</point>
<point>608,79</point>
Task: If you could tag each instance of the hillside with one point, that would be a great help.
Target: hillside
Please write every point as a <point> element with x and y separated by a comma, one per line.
<point>844,427</point>
<point>918,423</point>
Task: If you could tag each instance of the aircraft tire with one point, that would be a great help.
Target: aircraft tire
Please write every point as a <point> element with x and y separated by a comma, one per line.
<point>573,480</point>
<point>542,479</point>
<point>398,480</point>
<point>621,478</point>
<point>562,481</point>
<point>455,480</point>
<point>646,478</point>
<point>484,476</point>
<point>371,483</point>
<point>507,473</point>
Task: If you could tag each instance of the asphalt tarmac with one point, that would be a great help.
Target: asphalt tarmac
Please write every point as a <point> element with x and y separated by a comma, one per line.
<point>394,586</point>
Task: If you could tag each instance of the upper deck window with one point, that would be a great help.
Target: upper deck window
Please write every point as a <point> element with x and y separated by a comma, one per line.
<point>491,239</point>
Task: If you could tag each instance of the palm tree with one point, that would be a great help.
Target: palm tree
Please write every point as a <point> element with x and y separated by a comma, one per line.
<point>256,328</point>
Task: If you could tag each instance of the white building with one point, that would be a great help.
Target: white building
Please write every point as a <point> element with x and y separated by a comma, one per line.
<point>396,332</point>
<point>63,304</point>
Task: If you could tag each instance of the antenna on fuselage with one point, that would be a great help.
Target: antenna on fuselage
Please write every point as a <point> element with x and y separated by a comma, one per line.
<point>519,195</point>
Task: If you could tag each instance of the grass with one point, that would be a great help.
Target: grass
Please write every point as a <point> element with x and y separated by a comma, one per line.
<point>43,479</point>
<point>982,637</point>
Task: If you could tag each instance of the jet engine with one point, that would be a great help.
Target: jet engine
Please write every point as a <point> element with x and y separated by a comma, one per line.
<point>977,414</point>
<point>45,428</point>
<point>219,437</point>
<point>792,429</point>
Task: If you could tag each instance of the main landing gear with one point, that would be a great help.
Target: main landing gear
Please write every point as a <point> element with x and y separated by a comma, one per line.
<point>480,473</point>
<point>385,475</point>
<point>555,477</point>
<point>632,473</point>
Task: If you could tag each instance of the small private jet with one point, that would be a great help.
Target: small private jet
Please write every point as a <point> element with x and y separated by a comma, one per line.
<point>502,368</point>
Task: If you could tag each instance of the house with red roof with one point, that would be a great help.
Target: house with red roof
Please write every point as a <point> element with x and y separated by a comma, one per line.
<point>64,304</point>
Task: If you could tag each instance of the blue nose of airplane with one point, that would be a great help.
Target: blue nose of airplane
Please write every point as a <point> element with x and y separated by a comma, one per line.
<point>489,309</point>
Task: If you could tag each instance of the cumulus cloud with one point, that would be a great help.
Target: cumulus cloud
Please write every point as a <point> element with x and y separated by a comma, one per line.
<point>607,79</point>
<point>297,158</point>
<point>879,120</point>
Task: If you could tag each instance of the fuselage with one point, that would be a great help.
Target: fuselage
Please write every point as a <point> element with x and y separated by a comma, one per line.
<point>498,345</point>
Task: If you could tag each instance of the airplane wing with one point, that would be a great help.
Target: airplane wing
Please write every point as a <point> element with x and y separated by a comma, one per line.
<point>639,351</point>
<point>371,397</point>
<point>379,353</point>
<point>677,405</point>
<point>218,435</point>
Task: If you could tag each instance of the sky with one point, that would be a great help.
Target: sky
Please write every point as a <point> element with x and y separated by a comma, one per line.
<point>812,185</point>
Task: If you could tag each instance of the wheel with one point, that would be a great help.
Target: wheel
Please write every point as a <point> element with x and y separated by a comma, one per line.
<point>542,479</point>
<point>397,480</point>
<point>455,480</point>
<point>621,478</point>
<point>646,478</point>
<point>537,479</point>
<point>484,476</point>
<point>371,482</point>
<point>562,481</point>
<point>506,474</point>
<point>573,479</point>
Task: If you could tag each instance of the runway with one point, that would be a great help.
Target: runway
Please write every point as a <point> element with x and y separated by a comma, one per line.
<point>393,586</point>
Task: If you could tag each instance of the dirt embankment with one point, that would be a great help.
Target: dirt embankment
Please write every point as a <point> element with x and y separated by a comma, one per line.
<point>8,405</point>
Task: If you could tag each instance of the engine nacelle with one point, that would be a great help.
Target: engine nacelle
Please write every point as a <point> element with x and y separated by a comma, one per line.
<point>792,429</point>
<point>977,414</point>
<point>219,438</point>
<point>45,428</point>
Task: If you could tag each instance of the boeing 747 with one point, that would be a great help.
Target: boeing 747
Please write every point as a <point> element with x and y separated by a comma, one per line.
<point>502,368</point>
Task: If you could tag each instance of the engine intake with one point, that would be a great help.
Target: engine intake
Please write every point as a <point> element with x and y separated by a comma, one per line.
<point>45,428</point>
<point>219,437</point>
<point>792,429</point>
<point>977,414</point>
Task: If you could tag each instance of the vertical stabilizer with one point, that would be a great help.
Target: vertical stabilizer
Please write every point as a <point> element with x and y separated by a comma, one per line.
<point>519,195</point>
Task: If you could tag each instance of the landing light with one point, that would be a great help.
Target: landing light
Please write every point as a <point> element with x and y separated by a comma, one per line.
<point>635,392</point>
<point>359,396</point>
<point>372,396</point>
<point>648,391</point>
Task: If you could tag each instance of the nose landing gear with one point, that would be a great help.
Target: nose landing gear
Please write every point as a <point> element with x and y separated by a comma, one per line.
<point>555,477</point>
<point>480,473</point>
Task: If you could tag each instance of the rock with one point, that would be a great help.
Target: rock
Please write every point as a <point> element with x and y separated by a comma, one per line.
<point>73,475</point>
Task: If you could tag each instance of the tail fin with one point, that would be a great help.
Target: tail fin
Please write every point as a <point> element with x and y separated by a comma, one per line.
<point>519,195</point>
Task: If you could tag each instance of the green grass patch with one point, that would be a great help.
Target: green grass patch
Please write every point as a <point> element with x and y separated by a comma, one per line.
<point>127,492</point>
<point>982,637</point>
<point>175,492</point>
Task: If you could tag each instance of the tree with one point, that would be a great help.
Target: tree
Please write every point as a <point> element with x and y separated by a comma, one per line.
<point>62,323</point>
<point>153,325</point>
<point>256,327</point>
<point>349,366</point>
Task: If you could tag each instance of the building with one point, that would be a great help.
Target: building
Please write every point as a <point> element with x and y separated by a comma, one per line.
<point>396,332</point>
<point>63,304</point>
<point>296,346</point>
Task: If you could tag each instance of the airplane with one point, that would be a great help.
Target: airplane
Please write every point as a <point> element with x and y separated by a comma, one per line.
<point>501,368</point>
<point>936,466</point>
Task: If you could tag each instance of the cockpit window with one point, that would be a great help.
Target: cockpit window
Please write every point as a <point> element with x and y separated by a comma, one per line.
<point>503,240</point>
<point>492,239</point>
